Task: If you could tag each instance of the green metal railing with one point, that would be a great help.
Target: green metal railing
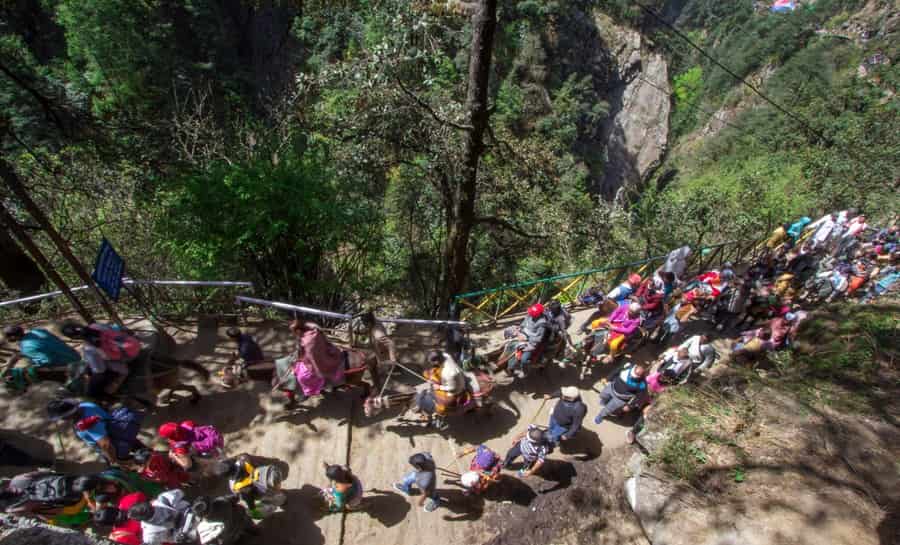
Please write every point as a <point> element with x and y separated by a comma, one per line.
<point>487,306</point>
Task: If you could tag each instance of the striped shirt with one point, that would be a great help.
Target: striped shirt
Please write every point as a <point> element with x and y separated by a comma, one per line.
<point>531,451</point>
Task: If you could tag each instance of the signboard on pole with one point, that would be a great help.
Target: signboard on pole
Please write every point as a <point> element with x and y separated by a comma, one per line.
<point>108,270</point>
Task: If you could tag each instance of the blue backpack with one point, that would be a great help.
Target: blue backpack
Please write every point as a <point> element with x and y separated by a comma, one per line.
<point>123,426</point>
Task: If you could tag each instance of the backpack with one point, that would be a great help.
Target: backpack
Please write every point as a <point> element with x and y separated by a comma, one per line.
<point>116,344</point>
<point>50,489</point>
<point>123,426</point>
<point>485,459</point>
<point>120,346</point>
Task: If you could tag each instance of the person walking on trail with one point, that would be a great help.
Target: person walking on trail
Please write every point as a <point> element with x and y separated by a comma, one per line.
<point>567,416</point>
<point>424,477</point>
<point>484,469</point>
<point>248,353</point>
<point>345,491</point>
<point>40,347</point>
<point>533,446</point>
<point>320,362</point>
<point>114,436</point>
<point>656,384</point>
<point>625,391</point>
<point>248,350</point>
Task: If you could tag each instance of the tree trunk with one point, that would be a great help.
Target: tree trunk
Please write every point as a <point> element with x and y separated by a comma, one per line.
<point>465,193</point>
<point>26,242</point>
<point>18,271</point>
<point>15,185</point>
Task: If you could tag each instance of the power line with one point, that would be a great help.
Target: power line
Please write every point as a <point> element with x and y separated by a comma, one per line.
<point>696,107</point>
<point>799,119</point>
<point>728,71</point>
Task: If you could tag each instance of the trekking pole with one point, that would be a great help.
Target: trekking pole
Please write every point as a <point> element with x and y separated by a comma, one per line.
<point>410,371</point>
<point>538,412</point>
<point>450,473</point>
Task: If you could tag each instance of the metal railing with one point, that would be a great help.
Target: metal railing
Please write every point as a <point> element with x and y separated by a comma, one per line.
<point>160,299</point>
<point>488,306</point>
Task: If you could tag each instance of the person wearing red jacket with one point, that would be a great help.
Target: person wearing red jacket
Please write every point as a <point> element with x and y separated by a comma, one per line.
<point>157,467</point>
<point>124,530</point>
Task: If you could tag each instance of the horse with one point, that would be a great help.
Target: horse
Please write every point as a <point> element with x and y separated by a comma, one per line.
<point>428,402</point>
<point>150,374</point>
<point>280,373</point>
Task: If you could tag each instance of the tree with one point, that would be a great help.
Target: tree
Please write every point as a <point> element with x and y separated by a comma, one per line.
<point>464,194</point>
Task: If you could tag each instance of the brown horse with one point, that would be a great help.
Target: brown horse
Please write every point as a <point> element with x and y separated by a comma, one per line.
<point>150,375</point>
<point>280,373</point>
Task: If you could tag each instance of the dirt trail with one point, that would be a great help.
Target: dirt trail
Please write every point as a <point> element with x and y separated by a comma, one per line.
<point>320,431</point>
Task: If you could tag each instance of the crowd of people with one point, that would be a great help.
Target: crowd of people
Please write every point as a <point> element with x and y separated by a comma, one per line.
<point>142,496</point>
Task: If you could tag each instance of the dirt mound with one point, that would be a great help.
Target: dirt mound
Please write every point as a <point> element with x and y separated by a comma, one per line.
<point>587,506</point>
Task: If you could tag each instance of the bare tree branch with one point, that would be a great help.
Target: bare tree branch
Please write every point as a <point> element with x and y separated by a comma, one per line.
<point>427,107</point>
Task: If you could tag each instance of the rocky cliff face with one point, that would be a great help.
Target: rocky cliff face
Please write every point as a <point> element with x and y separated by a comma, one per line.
<point>636,133</point>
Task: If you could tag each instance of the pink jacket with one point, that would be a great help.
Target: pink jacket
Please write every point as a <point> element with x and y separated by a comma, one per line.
<point>620,322</point>
<point>323,357</point>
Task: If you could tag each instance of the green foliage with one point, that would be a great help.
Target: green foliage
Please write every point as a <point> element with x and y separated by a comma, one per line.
<point>118,51</point>
<point>679,457</point>
<point>687,87</point>
<point>290,224</point>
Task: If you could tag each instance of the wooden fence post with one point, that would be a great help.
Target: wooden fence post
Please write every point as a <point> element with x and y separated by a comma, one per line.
<point>15,185</point>
<point>26,242</point>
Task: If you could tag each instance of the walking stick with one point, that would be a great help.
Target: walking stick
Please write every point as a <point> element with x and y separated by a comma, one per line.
<point>538,412</point>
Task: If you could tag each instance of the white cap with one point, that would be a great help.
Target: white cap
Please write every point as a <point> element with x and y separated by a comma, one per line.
<point>570,392</point>
<point>469,479</point>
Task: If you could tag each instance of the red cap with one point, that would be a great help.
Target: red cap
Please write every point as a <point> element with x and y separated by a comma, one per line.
<point>168,430</point>
<point>536,310</point>
<point>634,279</point>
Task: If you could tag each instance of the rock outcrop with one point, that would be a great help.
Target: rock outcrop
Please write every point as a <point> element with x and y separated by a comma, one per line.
<point>636,132</point>
<point>23,531</point>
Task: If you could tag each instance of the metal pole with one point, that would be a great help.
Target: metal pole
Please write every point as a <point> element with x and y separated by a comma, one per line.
<point>44,263</point>
<point>15,185</point>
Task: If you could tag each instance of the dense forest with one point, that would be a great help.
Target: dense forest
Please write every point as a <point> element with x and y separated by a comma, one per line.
<point>333,151</point>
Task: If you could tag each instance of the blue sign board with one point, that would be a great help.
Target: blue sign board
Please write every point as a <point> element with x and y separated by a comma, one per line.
<point>108,270</point>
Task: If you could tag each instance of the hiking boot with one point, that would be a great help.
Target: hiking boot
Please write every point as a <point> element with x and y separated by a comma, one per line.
<point>598,419</point>
<point>431,505</point>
